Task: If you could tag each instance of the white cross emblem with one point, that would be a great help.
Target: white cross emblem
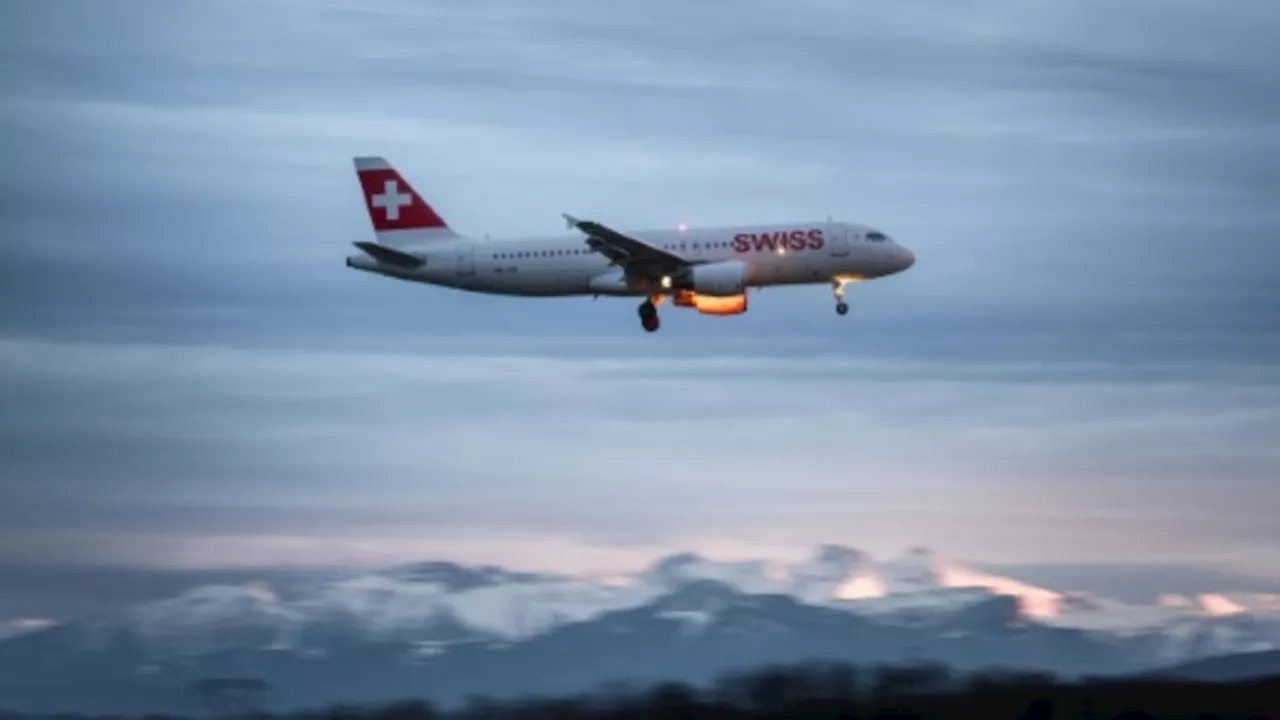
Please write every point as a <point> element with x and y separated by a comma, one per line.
<point>391,199</point>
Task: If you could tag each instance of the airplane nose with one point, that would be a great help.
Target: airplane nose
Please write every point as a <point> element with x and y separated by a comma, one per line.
<point>908,258</point>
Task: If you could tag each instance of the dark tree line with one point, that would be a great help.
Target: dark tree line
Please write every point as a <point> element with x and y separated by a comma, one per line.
<point>823,691</point>
<point>830,691</point>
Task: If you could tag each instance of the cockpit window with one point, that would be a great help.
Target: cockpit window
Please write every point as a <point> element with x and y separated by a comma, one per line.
<point>875,236</point>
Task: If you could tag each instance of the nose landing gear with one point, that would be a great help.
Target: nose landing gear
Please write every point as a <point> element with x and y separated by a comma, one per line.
<point>648,312</point>
<point>837,291</point>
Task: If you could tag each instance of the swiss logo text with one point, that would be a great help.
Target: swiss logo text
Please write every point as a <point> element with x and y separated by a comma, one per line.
<point>778,240</point>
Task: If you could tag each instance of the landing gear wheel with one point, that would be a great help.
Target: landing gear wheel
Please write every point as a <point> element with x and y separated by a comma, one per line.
<point>837,291</point>
<point>649,316</point>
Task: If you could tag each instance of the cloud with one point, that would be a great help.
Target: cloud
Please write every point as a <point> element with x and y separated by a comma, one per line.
<point>1082,359</point>
<point>1138,583</point>
<point>309,456</point>
<point>1066,169</point>
<point>20,626</point>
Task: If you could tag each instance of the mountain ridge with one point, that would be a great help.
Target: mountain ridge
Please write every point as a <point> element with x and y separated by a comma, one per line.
<point>409,627</point>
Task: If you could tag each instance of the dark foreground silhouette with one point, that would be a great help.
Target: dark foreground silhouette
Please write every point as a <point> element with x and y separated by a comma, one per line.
<point>840,691</point>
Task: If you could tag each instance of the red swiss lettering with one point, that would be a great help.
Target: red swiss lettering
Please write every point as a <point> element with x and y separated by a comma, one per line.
<point>816,240</point>
<point>762,240</point>
<point>783,240</point>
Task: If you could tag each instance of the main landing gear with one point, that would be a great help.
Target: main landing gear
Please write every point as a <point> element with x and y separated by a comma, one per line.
<point>649,316</point>
<point>837,290</point>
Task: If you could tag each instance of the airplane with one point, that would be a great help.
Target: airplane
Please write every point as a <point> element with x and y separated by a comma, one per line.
<point>707,269</point>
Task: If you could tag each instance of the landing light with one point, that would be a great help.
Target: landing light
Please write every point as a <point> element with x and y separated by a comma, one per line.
<point>682,227</point>
<point>666,281</point>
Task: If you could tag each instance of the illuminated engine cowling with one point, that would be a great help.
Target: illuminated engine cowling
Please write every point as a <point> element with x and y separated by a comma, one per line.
<point>721,279</point>
<point>712,304</point>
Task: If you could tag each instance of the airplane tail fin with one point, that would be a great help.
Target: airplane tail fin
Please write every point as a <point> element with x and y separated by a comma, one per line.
<point>399,215</point>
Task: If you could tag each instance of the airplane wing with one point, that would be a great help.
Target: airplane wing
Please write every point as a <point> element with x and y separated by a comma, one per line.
<point>632,254</point>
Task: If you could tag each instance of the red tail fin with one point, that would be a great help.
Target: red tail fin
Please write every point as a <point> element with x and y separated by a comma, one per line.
<point>392,202</point>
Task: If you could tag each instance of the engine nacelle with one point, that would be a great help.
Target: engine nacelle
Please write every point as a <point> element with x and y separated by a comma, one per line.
<point>712,304</point>
<point>721,279</point>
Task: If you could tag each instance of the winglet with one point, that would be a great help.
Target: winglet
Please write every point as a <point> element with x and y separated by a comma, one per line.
<point>570,221</point>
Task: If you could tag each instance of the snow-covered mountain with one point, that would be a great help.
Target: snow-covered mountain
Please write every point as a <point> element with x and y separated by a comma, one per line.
<point>376,634</point>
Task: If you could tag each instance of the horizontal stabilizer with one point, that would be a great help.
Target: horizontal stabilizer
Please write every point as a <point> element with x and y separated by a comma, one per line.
<point>390,256</point>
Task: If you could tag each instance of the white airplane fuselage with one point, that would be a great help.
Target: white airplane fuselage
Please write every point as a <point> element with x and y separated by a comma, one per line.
<point>563,265</point>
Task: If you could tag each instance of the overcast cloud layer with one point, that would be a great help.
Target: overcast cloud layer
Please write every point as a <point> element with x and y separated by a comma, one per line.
<point>1080,368</point>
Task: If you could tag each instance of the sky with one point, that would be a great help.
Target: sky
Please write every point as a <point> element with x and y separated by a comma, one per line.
<point>1078,379</point>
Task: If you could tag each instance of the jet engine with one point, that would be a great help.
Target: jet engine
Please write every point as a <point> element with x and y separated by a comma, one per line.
<point>712,304</point>
<point>718,279</point>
